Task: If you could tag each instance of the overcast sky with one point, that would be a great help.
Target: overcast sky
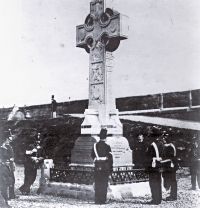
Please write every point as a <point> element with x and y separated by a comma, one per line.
<point>39,55</point>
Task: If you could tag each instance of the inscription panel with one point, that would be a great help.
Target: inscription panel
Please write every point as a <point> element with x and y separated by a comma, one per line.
<point>122,154</point>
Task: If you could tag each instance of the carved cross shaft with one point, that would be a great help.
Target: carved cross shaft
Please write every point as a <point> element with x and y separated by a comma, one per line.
<point>100,33</point>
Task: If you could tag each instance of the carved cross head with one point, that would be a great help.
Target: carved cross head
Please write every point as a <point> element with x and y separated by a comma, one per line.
<point>101,25</point>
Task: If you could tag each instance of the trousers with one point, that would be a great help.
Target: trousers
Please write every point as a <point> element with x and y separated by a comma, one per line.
<point>195,174</point>
<point>30,174</point>
<point>170,181</point>
<point>155,186</point>
<point>101,185</point>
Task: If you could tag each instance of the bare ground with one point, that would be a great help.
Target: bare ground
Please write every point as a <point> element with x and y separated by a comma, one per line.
<point>186,197</point>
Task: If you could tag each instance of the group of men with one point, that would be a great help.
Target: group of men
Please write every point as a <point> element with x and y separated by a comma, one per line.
<point>159,159</point>
<point>161,162</point>
<point>32,160</point>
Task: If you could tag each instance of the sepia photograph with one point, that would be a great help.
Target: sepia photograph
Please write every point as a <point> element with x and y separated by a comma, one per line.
<point>100,103</point>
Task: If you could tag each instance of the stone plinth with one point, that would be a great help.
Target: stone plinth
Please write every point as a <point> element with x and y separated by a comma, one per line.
<point>86,192</point>
<point>81,153</point>
<point>122,154</point>
<point>94,121</point>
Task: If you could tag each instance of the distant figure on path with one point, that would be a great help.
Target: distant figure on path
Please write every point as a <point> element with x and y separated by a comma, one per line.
<point>170,166</point>
<point>53,107</point>
<point>195,162</point>
<point>103,161</point>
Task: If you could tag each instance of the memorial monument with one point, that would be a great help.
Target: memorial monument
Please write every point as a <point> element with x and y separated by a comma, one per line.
<point>100,35</point>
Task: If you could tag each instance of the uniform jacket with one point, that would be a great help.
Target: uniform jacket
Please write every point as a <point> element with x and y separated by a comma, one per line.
<point>170,157</point>
<point>151,155</point>
<point>6,178</point>
<point>33,156</point>
<point>103,150</point>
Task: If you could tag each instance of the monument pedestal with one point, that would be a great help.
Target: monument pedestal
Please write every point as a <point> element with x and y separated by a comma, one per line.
<point>90,128</point>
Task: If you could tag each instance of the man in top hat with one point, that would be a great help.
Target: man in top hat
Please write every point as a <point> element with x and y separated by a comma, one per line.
<point>9,157</point>
<point>170,166</point>
<point>153,158</point>
<point>195,162</point>
<point>53,107</point>
<point>103,161</point>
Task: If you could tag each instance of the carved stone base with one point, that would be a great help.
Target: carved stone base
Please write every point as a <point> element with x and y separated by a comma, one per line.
<point>94,121</point>
<point>81,153</point>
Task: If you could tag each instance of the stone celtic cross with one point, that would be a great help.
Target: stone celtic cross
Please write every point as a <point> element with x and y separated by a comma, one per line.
<point>100,35</point>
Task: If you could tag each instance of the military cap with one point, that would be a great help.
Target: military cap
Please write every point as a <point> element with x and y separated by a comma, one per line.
<point>103,133</point>
<point>156,131</point>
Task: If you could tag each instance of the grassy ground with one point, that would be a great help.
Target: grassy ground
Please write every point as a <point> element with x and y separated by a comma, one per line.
<point>186,197</point>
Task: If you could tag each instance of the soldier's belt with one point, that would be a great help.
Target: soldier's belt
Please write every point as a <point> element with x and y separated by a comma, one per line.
<point>158,159</point>
<point>165,161</point>
<point>101,158</point>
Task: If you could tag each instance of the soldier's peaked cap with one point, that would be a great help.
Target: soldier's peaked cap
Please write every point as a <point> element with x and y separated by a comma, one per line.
<point>103,133</point>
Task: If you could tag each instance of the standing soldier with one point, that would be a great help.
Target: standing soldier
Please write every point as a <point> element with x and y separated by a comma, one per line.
<point>53,107</point>
<point>170,166</point>
<point>32,161</point>
<point>103,162</point>
<point>154,154</point>
<point>10,161</point>
<point>195,162</point>
<point>6,178</point>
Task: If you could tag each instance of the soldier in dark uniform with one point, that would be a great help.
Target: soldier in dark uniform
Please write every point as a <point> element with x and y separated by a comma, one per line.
<point>6,179</point>
<point>154,157</point>
<point>170,166</point>
<point>33,159</point>
<point>195,162</point>
<point>103,161</point>
<point>10,161</point>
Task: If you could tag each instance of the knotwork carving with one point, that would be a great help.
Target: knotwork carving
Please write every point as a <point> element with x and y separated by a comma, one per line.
<point>97,93</point>
<point>97,73</point>
<point>97,54</point>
